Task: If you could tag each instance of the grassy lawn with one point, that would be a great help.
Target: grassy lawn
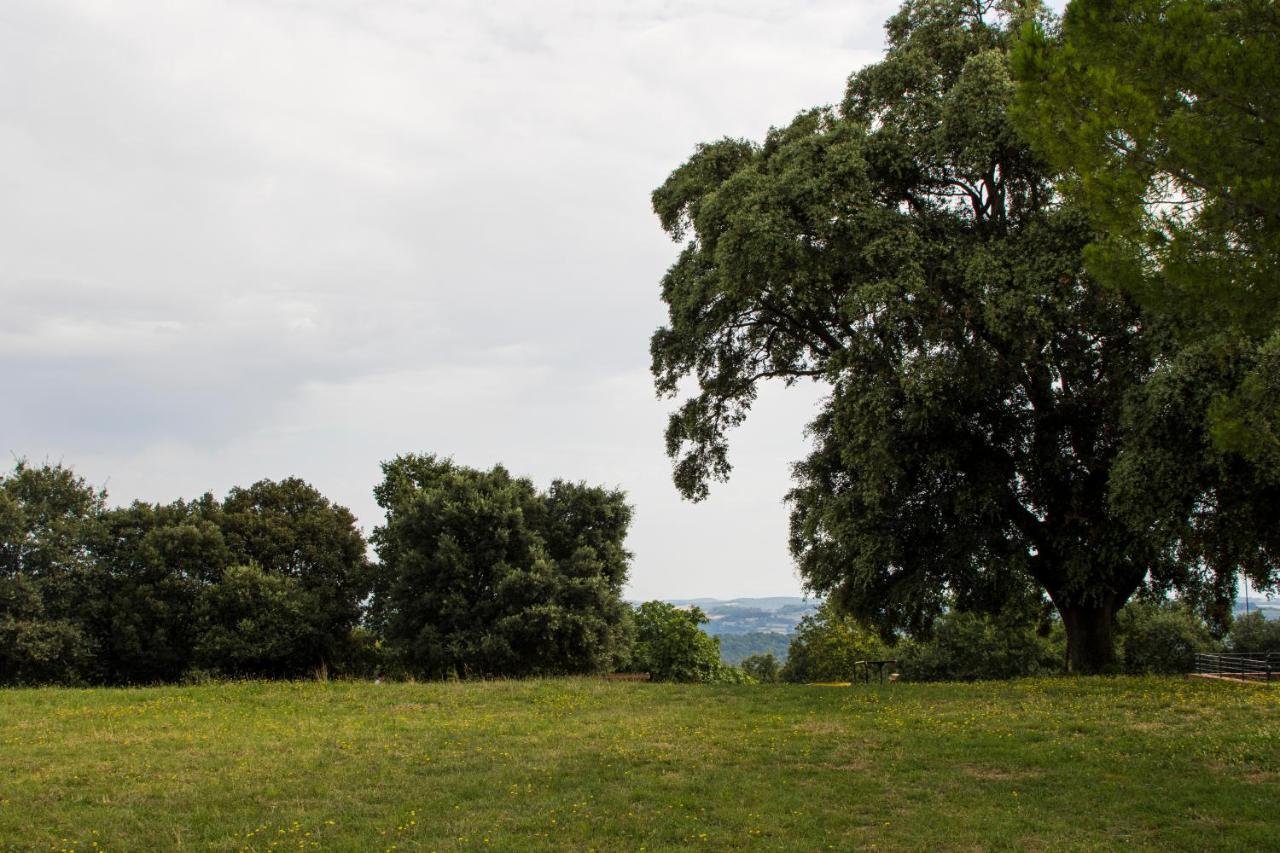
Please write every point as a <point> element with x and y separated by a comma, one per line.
<point>1042,764</point>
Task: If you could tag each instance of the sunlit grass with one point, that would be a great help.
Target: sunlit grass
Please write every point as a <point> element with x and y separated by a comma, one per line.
<point>1041,764</point>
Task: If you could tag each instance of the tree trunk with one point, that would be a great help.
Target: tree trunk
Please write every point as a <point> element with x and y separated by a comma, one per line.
<point>1091,646</point>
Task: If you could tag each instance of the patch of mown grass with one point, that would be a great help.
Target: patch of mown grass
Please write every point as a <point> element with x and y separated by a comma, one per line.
<point>1040,764</point>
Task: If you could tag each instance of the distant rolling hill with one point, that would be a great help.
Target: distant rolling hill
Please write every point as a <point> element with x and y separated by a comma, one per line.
<point>1259,603</point>
<point>776,615</point>
<point>752,626</point>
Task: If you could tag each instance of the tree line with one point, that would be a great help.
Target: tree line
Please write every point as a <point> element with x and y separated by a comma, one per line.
<point>480,574</point>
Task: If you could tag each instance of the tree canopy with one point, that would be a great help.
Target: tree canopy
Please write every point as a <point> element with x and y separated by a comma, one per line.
<point>670,644</point>
<point>482,574</point>
<point>268,582</point>
<point>1162,117</point>
<point>909,250</point>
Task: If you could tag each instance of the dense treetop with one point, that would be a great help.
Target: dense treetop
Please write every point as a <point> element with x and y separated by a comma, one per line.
<point>482,574</point>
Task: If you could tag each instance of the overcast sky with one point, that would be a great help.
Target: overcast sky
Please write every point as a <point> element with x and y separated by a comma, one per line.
<point>260,239</point>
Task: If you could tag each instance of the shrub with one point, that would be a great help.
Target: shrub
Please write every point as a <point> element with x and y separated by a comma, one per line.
<point>971,646</point>
<point>484,575</point>
<point>670,645</point>
<point>1161,638</point>
<point>1254,633</point>
<point>763,668</point>
<point>252,623</point>
<point>826,645</point>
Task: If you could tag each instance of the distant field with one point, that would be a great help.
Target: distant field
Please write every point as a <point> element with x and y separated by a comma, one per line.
<point>1045,764</point>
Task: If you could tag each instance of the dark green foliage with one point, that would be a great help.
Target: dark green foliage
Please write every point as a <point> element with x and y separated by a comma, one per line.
<point>141,594</point>
<point>365,656</point>
<point>827,644</point>
<point>1217,513</point>
<point>763,668</point>
<point>997,417</point>
<point>909,251</point>
<point>292,532</point>
<point>482,575</point>
<point>48,518</point>
<point>1162,638</point>
<point>255,623</point>
<point>35,649</point>
<point>1254,633</point>
<point>151,565</point>
<point>1162,116</point>
<point>670,645</point>
<point>975,646</point>
<point>735,648</point>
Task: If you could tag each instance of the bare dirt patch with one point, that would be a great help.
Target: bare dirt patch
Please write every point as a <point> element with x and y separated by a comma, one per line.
<point>817,726</point>
<point>1148,726</point>
<point>998,774</point>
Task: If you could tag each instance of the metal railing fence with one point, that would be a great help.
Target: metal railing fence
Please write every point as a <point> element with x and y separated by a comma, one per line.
<point>1260,666</point>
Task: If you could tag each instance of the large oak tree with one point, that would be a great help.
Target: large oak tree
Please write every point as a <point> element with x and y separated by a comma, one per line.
<point>910,251</point>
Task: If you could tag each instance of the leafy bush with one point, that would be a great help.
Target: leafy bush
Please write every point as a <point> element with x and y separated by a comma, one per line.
<point>484,575</point>
<point>1254,633</point>
<point>253,623</point>
<point>970,646</point>
<point>1161,638</point>
<point>670,645</point>
<point>763,668</point>
<point>826,645</point>
<point>43,651</point>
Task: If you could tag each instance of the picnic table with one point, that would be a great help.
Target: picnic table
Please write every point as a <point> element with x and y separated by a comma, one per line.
<point>863,668</point>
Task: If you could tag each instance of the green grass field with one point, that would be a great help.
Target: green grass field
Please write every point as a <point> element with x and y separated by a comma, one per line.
<point>1043,764</point>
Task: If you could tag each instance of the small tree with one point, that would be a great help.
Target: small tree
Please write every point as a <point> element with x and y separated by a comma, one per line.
<point>763,668</point>
<point>48,518</point>
<point>826,645</point>
<point>670,645</point>
<point>289,530</point>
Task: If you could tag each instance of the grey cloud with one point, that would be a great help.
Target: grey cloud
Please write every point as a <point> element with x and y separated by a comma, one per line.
<point>247,239</point>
